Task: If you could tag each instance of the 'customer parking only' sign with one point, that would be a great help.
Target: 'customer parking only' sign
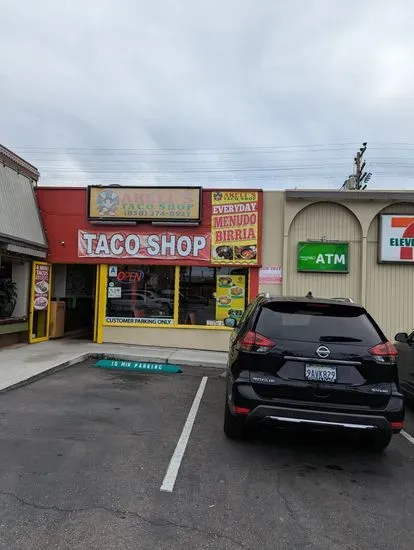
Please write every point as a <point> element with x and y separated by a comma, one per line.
<point>396,238</point>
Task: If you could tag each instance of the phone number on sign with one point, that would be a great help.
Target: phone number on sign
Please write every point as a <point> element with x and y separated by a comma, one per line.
<point>158,213</point>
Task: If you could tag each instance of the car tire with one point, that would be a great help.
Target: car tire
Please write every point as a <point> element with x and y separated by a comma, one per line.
<point>378,442</point>
<point>234,427</point>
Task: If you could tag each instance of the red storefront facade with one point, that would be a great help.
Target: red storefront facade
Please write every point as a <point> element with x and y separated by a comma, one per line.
<point>153,281</point>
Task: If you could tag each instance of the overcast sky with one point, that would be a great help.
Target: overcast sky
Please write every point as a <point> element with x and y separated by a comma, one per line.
<point>212,92</point>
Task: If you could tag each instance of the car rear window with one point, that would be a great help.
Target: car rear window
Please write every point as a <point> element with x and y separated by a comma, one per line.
<point>316,323</point>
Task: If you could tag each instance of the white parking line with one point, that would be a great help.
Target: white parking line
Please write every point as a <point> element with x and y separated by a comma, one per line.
<point>175,462</point>
<point>407,436</point>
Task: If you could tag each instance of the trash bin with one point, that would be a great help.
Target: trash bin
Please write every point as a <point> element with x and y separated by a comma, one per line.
<point>57,319</point>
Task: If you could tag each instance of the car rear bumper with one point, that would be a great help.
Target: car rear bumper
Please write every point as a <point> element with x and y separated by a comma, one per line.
<point>319,419</point>
<point>314,414</point>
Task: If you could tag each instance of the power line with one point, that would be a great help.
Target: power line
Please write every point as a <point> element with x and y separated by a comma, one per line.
<point>266,164</point>
<point>242,147</point>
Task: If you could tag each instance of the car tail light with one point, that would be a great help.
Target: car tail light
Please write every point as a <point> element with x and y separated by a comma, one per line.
<point>241,410</point>
<point>252,341</point>
<point>384,353</point>
<point>397,425</point>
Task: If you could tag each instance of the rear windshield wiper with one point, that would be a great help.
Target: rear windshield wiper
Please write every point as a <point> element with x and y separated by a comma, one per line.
<point>339,339</point>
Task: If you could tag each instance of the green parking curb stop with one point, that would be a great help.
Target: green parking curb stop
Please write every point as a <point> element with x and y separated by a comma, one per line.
<point>137,366</point>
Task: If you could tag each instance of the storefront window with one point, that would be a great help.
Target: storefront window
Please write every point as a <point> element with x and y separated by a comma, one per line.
<point>208,295</point>
<point>140,294</point>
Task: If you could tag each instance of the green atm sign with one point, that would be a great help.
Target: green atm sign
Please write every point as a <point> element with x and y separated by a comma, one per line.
<point>324,257</point>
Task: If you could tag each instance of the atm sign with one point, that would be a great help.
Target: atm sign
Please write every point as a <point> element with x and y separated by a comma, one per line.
<point>323,257</point>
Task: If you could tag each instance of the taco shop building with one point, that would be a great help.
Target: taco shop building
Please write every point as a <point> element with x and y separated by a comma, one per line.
<point>154,266</point>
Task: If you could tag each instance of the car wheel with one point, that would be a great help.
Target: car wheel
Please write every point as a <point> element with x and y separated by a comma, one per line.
<point>378,442</point>
<point>234,427</point>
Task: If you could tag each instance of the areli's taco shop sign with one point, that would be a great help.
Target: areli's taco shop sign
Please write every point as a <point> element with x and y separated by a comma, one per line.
<point>149,204</point>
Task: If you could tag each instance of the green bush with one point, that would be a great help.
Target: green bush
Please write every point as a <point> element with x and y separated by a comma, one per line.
<point>8,297</point>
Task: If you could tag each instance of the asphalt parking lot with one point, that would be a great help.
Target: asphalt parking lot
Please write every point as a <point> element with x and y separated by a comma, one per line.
<point>84,454</point>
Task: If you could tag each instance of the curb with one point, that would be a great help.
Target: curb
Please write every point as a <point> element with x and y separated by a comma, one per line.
<point>47,372</point>
<point>116,356</point>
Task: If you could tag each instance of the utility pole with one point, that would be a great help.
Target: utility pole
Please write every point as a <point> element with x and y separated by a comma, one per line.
<point>360,166</point>
<point>359,180</point>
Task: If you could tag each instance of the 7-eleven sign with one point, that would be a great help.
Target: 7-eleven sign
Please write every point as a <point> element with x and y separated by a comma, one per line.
<point>397,238</point>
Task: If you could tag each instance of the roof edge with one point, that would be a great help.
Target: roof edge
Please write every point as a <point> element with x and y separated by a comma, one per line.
<point>10,239</point>
<point>339,195</point>
<point>13,161</point>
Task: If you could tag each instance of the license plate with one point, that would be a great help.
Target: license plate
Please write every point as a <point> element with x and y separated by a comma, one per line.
<point>317,373</point>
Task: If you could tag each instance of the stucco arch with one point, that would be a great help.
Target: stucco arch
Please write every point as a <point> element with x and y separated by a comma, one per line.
<point>293,210</point>
<point>392,208</point>
<point>327,220</point>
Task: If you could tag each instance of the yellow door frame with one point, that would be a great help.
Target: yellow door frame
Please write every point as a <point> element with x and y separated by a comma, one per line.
<point>96,304</point>
<point>31,307</point>
<point>100,301</point>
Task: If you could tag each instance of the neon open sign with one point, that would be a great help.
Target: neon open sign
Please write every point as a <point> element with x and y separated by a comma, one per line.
<point>130,276</point>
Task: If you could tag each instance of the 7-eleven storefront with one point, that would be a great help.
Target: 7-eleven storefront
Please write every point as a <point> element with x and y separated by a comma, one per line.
<point>152,266</point>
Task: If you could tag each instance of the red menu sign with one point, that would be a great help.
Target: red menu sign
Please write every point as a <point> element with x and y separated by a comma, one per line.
<point>41,287</point>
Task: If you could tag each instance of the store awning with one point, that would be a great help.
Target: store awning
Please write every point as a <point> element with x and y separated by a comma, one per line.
<point>23,250</point>
<point>21,229</point>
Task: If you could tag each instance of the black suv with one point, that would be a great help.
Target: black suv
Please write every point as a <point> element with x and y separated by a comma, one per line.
<point>316,362</point>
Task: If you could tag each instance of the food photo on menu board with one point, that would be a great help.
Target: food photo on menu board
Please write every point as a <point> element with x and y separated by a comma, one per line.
<point>230,296</point>
<point>41,287</point>
<point>225,252</point>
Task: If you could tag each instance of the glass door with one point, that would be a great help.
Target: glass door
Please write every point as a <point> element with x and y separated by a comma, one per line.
<point>40,302</point>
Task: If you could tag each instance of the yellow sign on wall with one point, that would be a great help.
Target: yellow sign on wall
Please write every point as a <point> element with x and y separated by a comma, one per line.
<point>230,296</point>
<point>166,204</point>
<point>235,227</point>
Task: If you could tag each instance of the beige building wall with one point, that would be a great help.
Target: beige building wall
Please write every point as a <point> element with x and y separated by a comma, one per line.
<point>214,340</point>
<point>387,290</point>
<point>330,222</point>
<point>272,235</point>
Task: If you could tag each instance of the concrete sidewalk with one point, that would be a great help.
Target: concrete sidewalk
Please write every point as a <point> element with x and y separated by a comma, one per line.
<point>22,364</point>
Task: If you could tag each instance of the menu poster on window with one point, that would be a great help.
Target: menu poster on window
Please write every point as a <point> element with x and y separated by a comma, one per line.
<point>230,296</point>
<point>41,287</point>
<point>234,227</point>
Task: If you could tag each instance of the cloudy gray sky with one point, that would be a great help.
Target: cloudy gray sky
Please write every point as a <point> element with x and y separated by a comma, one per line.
<point>212,92</point>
